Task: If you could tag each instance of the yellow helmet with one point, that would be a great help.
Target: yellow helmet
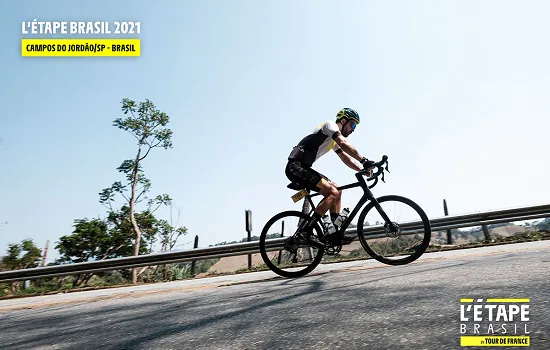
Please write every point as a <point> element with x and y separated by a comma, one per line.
<point>348,113</point>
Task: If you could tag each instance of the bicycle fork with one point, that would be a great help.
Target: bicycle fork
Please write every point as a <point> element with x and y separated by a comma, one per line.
<point>391,226</point>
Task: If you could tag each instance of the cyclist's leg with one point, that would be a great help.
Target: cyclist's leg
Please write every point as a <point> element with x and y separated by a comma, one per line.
<point>330,194</point>
<point>315,181</point>
<point>336,205</point>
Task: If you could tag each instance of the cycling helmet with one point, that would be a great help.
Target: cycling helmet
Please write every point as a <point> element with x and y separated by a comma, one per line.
<point>348,113</point>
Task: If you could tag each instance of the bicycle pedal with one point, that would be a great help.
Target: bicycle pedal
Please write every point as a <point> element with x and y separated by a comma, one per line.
<point>313,241</point>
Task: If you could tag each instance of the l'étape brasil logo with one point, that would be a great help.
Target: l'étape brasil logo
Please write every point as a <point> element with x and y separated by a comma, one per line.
<point>117,38</point>
<point>494,322</point>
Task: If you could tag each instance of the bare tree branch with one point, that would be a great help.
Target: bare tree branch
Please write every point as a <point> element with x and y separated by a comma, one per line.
<point>142,158</point>
<point>160,141</point>
<point>152,212</point>
<point>139,195</point>
<point>111,250</point>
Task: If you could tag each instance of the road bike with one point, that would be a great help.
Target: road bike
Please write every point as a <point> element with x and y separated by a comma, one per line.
<point>296,256</point>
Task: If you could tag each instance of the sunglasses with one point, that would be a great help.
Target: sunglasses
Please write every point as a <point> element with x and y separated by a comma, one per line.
<point>353,125</point>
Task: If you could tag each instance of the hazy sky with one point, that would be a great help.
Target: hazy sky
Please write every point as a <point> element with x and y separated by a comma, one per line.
<point>454,92</point>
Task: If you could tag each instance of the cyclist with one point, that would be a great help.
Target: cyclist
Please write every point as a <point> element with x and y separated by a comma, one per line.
<point>329,135</point>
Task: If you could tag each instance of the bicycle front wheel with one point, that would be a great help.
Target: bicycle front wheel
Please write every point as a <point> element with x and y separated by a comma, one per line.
<point>394,230</point>
<point>296,258</point>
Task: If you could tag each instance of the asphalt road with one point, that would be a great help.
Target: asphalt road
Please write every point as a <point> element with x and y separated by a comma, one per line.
<point>356,305</point>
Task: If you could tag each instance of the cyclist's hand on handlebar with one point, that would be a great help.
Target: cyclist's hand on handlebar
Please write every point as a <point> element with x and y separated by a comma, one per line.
<point>368,165</point>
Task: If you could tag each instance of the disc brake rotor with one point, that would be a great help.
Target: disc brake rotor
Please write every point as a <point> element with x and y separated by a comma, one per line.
<point>392,232</point>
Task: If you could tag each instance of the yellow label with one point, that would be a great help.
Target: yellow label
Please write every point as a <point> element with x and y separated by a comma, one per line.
<point>482,340</point>
<point>80,47</point>
<point>299,195</point>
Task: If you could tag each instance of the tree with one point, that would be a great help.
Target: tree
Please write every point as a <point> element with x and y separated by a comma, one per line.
<point>99,239</point>
<point>146,123</point>
<point>21,256</point>
<point>122,231</point>
<point>170,232</point>
<point>89,241</point>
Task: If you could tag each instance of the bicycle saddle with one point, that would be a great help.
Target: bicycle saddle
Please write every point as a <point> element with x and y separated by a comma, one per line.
<point>295,186</point>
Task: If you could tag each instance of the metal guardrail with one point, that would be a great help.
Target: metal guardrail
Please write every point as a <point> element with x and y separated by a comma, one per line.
<point>438,224</point>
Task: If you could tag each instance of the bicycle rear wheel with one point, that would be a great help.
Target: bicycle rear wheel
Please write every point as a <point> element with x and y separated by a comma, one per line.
<point>401,242</point>
<point>287,261</point>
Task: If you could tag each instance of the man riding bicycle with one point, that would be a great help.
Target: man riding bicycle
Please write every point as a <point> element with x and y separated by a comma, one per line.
<point>326,136</point>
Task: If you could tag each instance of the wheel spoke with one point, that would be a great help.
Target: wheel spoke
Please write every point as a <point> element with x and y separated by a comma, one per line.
<point>394,246</point>
<point>297,258</point>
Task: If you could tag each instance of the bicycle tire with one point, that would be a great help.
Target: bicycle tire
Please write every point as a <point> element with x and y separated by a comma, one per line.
<point>268,262</point>
<point>425,223</point>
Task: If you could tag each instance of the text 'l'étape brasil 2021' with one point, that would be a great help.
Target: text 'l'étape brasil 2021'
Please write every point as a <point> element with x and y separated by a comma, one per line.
<point>93,46</point>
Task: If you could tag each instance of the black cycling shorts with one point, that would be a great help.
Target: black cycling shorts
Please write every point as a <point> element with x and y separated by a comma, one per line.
<point>304,175</point>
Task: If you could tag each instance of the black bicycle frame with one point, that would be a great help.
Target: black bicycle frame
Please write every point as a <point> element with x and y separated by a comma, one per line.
<point>368,195</point>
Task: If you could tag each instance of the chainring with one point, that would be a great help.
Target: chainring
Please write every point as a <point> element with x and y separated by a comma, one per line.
<point>333,245</point>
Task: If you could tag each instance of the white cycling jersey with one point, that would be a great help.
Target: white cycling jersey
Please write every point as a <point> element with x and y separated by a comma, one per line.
<point>317,143</point>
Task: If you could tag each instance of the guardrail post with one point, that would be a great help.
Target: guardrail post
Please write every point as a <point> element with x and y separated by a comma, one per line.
<point>195,246</point>
<point>248,219</point>
<point>449,233</point>
<point>486,232</point>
